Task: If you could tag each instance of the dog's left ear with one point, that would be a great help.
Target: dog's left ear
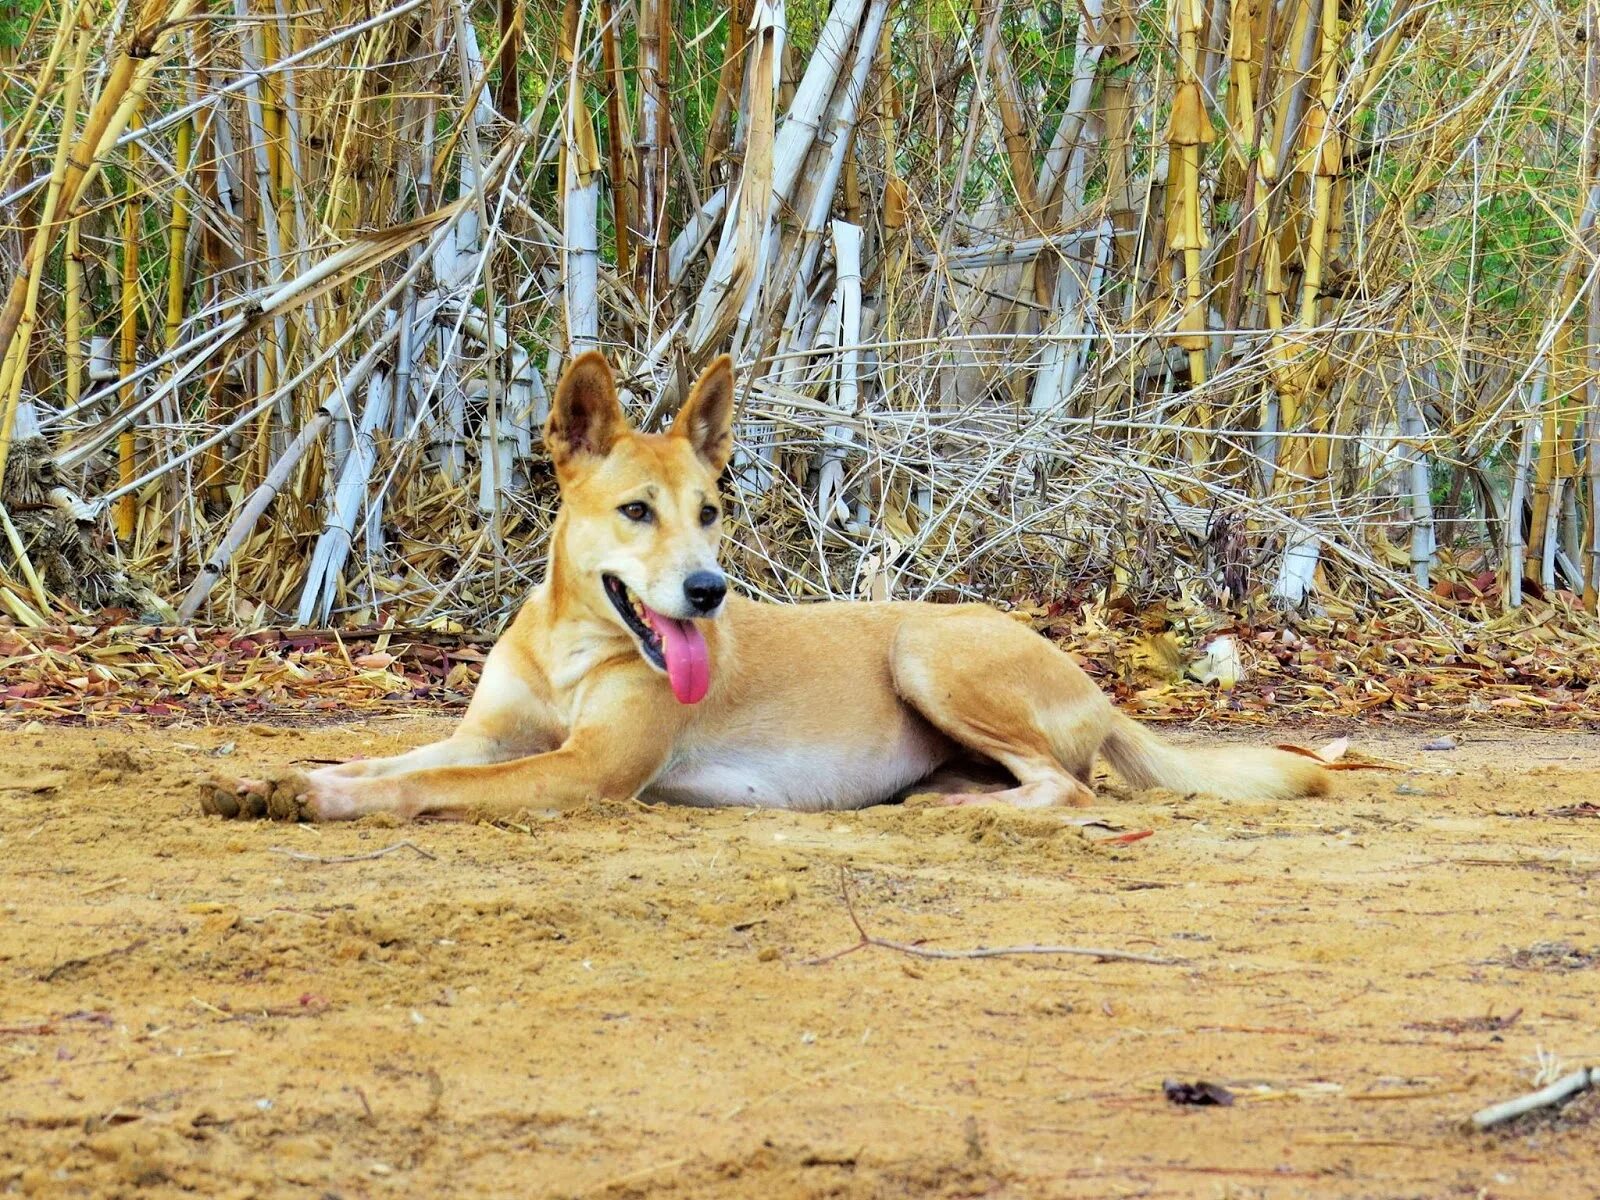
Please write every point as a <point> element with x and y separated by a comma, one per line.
<point>706,418</point>
<point>586,418</point>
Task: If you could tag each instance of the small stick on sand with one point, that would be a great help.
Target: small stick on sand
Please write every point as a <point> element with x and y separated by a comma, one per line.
<point>1563,1088</point>
<point>299,856</point>
<point>72,964</point>
<point>868,939</point>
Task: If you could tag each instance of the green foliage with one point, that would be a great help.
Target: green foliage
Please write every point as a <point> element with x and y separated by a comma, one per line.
<point>16,18</point>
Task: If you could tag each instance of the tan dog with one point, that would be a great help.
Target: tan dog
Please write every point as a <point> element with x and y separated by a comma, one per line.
<point>631,672</point>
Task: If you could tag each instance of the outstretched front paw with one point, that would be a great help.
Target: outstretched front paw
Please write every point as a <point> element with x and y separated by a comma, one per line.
<point>289,797</point>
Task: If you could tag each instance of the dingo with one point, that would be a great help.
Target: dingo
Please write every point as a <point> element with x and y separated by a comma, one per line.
<point>631,671</point>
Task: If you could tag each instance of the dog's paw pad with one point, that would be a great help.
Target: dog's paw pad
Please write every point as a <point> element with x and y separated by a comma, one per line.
<point>281,799</point>
<point>231,798</point>
<point>286,799</point>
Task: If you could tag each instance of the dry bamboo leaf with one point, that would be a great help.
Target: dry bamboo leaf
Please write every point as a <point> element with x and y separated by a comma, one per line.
<point>894,202</point>
<point>1189,125</point>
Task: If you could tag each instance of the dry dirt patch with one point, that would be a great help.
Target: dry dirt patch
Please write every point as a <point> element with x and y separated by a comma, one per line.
<point>617,1001</point>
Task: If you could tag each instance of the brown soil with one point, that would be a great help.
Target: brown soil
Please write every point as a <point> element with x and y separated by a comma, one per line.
<point>618,1001</point>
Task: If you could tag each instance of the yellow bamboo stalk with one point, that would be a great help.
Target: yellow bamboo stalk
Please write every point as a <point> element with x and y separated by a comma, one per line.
<point>19,141</point>
<point>124,87</point>
<point>663,144</point>
<point>895,197</point>
<point>1240,113</point>
<point>280,162</point>
<point>72,302</point>
<point>342,212</point>
<point>19,608</point>
<point>1324,159</point>
<point>1188,132</point>
<point>619,144</point>
<point>179,235</point>
<point>24,563</point>
<point>127,510</point>
<point>16,358</point>
<point>205,153</point>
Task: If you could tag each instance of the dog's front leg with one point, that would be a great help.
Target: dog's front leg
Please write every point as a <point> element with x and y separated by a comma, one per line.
<point>588,765</point>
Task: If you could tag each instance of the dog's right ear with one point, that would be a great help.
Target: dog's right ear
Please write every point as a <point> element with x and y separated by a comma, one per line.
<point>586,419</point>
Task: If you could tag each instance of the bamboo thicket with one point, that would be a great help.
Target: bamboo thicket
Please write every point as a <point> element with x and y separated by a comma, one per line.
<point>1285,302</point>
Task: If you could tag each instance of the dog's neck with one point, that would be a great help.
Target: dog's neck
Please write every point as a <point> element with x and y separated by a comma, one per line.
<point>570,597</point>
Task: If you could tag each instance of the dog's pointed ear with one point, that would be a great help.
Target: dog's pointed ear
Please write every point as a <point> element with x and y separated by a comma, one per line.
<point>586,418</point>
<point>706,418</point>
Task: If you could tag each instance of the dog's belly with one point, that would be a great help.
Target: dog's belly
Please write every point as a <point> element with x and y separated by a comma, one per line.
<point>813,777</point>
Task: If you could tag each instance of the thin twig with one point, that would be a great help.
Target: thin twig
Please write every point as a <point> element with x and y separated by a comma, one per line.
<point>298,856</point>
<point>73,964</point>
<point>868,939</point>
<point>1562,1089</point>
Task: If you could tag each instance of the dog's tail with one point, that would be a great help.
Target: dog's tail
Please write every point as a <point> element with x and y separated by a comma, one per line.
<point>1233,772</point>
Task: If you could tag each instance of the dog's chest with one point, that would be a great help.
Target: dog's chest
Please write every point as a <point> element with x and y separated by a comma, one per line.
<point>807,776</point>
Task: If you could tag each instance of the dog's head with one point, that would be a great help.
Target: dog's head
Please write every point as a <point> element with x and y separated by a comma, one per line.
<point>642,513</point>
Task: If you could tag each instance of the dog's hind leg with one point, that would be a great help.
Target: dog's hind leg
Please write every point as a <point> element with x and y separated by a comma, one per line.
<point>1004,693</point>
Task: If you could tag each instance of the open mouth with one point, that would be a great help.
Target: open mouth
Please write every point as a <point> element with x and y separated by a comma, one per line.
<point>637,618</point>
<point>676,647</point>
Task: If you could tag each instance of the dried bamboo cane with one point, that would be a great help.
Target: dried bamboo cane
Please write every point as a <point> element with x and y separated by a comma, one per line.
<point>1591,352</point>
<point>72,304</point>
<point>128,343</point>
<point>1188,131</point>
<point>618,138</point>
<point>730,83</point>
<point>580,211</point>
<point>13,368</point>
<point>120,95</point>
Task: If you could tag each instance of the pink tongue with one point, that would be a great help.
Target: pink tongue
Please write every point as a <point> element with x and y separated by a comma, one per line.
<point>688,661</point>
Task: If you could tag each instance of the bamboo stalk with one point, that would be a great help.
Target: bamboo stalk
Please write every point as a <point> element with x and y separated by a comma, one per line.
<point>730,85</point>
<point>1591,353</point>
<point>618,138</point>
<point>663,139</point>
<point>72,304</point>
<point>12,369</point>
<point>119,97</point>
<point>580,185</point>
<point>508,91</point>
<point>128,343</point>
<point>1188,130</point>
<point>652,100</point>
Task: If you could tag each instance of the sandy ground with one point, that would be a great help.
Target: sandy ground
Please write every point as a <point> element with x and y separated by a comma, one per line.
<point>618,1001</point>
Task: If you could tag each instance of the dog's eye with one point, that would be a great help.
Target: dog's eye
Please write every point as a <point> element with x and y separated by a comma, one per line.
<point>637,511</point>
<point>709,515</point>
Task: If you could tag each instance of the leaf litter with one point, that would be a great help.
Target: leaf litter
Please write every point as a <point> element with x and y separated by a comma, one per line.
<point>1280,666</point>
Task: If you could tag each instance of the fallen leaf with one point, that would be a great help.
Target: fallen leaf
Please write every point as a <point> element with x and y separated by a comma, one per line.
<point>1339,747</point>
<point>1125,838</point>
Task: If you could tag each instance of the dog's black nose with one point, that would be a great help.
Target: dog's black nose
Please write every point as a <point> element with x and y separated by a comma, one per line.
<point>705,590</point>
